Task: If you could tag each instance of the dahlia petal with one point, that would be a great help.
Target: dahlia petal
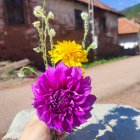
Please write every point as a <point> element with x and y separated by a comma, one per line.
<point>36,91</point>
<point>79,99</point>
<point>69,119</point>
<point>89,101</point>
<point>85,83</point>
<point>76,121</point>
<point>79,113</point>
<point>76,72</point>
<point>81,119</point>
<point>66,126</point>
<point>75,86</point>
<point>58,125</point>
<point>61,66</point>
<point>87,116</point>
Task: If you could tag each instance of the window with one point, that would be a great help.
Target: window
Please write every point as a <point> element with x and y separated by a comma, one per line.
<point>15,12</point>
<point>102,24</point>
<point>78,19</point>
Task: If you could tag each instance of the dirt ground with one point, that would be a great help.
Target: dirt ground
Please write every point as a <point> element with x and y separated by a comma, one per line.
<point>130,96</point>
<point>15,95</point>
<point>116,83</point>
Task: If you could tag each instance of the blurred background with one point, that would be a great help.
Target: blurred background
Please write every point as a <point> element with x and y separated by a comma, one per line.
<point>114,66</point>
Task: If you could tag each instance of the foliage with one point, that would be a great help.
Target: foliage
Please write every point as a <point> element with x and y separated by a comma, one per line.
<point>133,12</point>
<point>100,61</point>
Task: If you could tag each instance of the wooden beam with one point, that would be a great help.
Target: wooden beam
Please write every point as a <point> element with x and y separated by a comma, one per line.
<point>14,65</point>
<point>3,63</point>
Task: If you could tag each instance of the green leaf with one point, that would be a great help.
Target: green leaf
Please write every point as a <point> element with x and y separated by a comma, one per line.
<point>37,50</point>
<point>92,46</point>
<point>20,74</point>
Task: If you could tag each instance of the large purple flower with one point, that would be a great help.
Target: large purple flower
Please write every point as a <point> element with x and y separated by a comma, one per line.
<point>62,97</point>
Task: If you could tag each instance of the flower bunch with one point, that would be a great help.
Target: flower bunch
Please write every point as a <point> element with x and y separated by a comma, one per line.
<point>62,95</point>
<point>62,98</point>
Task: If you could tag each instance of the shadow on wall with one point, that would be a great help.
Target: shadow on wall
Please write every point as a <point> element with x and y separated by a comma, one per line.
<point>126,127</point>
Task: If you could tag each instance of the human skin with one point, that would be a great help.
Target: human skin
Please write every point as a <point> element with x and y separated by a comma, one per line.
<point>37,130</point>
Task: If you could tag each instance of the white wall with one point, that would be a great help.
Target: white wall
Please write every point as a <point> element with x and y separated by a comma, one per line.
<point>129,40</point>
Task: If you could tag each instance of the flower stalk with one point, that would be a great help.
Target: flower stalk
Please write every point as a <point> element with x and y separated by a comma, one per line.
<point>54,135</point>
<point>21,72</point>
<point>84,16</point>
<point>43,28</point>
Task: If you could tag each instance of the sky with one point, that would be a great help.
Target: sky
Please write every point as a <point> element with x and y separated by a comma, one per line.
<point>120,4</point>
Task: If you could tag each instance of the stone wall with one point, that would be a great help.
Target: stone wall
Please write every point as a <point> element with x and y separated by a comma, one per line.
<point>108,122</point>
<point>17,39</point>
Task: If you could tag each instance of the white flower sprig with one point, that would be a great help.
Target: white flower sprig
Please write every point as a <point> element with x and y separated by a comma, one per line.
<point>50,15</point>
<point>37,25</point>
<point>84,16</point>
<point>43,28</point>
<point>38,11</point>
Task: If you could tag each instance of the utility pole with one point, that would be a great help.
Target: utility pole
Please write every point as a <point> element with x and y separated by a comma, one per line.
<point>139,41</point>
<point>91,18</point>
<point>94,39</point>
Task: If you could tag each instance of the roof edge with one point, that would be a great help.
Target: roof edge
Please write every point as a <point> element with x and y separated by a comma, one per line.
<point>108,8</point>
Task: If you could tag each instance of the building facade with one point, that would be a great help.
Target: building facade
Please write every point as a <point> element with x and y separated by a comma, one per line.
<point>18,37</point>
<point>129,35</point>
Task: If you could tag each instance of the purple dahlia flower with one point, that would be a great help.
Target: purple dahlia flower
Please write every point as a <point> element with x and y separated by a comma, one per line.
<point>62,98</point>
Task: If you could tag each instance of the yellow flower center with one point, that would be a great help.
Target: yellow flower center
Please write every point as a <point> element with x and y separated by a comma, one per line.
<point>69,52</point>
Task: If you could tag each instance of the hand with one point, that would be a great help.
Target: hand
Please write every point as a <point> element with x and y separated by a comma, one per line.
<point>37,130</point>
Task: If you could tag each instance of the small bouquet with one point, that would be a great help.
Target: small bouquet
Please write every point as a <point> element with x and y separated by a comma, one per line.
<point>62,94</point>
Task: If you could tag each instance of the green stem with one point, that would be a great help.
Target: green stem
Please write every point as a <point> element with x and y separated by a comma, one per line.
<point>45,50</point>
<point>44,35</point>
<point>54,135</point>
<point>33,71</point>
<point>51,43</point>
<point>44,4</point>
<point>47,29</point>
<point>85,33</point>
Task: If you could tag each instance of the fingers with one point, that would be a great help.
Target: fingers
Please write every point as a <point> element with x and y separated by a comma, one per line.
<point>36,130</point>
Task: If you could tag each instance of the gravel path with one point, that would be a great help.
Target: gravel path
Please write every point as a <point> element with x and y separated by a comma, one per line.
<point>117,82</point>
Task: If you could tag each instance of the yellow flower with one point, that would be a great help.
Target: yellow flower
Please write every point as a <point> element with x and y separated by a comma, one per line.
<point>69,52</point>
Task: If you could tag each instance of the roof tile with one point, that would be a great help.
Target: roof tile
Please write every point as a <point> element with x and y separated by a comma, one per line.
<point>126,26</point>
